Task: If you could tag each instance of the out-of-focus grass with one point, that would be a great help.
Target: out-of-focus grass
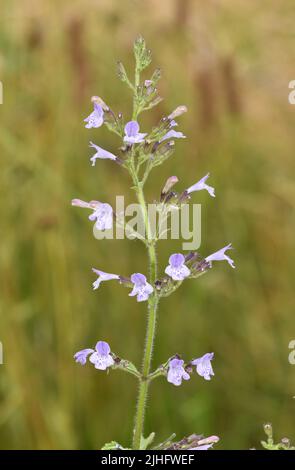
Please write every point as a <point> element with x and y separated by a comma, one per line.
<point>231,65</point>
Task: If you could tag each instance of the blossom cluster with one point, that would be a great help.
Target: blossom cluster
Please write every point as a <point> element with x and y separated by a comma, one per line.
<point>176,370</point>
<point>140,152</point>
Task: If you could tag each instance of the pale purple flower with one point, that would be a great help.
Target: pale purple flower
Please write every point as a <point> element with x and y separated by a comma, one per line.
<point>204,447</point>
<point>81,356</point>
<point>142,289</point>
<point>102,276</point>
<point>172,134</point>
<point>88,205</point>
<point>102,213</point>
<point>101,154</point>
<point>101,357</point>
<point>206,443</point>
<point>177,372</point>
<point>132,134</point>
<point>220,256</point>
<point>95,119</point>
<point>176,268</point>
<point>203,365</point>
<point>202,185</point>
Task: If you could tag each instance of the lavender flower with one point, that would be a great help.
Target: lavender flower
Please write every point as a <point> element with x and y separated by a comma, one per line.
<point>88,205</point>
<point>132,134</point>
<point>176,372</point>
<point>204,447</point>
<point>101,357</point>
<point>176,268</point>
<point>95,119</point>
<point>204,367</point>
<point>142,289</point>
<point>102,213</point>
<point>220,256</point>
<point>101,154</point>
<point>102,276</point>
<point>172,134</point>
<point>202,185</point>
<point>81,356</point>
<point>206,443</point>
<point>103,216</point>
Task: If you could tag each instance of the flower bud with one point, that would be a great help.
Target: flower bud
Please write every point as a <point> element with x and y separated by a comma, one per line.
<point>177,112</point>
<point>171,181</point>
<point>121,72</point>
<point>156,76</point>
<point>268,429</point>
<point>98,100</point>
<point>286,442</point>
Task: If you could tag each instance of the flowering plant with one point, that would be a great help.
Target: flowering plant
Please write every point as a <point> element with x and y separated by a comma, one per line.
<point>139,154</point>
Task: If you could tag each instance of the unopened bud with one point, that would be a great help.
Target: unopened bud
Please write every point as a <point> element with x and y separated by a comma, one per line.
<point>171,181</point>
<point>268,429</point>
<point>208,440</point>
<point>285,441</point>
<point>98,100</point>
<point>177,112</point>
<point>167,147</point>
<point>121,72</point>
<point>156,76</point>
<point>139,44</point>
<point>192,255</point>
<point>155,102</point>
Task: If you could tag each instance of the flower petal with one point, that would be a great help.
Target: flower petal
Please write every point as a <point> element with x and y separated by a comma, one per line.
<point>102,348</point>
<point>176,260</point>
<point>200,185</point>
<point>172,134</point>
<point>131,128</point>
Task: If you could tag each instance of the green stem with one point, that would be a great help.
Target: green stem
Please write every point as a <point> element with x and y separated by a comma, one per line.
<point>151,325</point>
<point>136,84</point>
<point>153,299</point>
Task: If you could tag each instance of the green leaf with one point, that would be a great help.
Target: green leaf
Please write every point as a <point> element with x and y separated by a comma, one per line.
<point>163,445</point>
<point>113,445</point>
<point>122,74</point>
<point>156,76</point>
<point>145,442</point>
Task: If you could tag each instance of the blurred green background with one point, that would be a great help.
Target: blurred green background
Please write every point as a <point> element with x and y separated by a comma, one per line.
<point>230,62</point>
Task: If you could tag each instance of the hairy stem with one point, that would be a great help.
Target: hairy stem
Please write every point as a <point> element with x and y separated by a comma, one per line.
<point>136,84</point>
<point>151,325</point>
